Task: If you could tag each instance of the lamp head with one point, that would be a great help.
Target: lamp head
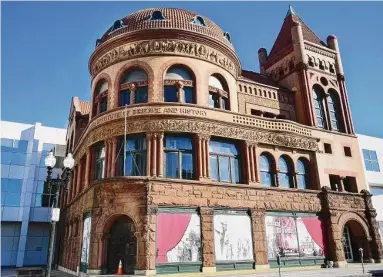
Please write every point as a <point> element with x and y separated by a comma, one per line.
<point>50,160</point>
<point>69,161</point>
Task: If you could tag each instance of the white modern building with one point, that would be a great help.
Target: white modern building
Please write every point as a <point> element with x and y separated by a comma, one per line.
<point>372,154</point>
<point>25,199</point>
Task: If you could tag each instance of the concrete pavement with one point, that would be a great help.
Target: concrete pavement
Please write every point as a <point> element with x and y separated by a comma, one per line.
<point>352,270</point>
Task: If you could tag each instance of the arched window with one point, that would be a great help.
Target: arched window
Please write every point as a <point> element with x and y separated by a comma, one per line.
<point>135,158</point>
<point>227,36</point>
<point>218,92</point>
<point>332,102</point>
<point>117,25</point>
<point>134,87</point>
<point>302,174</point>
<point>318,95</point>
<point>266,169</point>
<point>157,15</point>
<point>285,173</point>
<point>179,85</point>
<point>199,20</point>
<point>101,97</point>
<point>224,161</point>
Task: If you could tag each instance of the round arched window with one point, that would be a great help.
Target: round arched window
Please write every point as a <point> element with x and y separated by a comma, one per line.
<point>179,85</point>
<point>218,92</point>
<point>134,87</point>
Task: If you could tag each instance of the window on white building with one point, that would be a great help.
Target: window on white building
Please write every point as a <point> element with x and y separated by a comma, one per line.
<point>371,160</point>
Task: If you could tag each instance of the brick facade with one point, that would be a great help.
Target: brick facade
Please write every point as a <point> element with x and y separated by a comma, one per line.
<point>295,137</point>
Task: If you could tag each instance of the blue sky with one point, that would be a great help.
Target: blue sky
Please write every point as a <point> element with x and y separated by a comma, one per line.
<point>46,47</point>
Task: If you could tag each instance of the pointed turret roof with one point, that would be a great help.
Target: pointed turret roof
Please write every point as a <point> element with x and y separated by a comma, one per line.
<point>284,38</point>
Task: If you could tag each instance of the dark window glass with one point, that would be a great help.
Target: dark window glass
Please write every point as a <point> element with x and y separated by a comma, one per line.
<point>157,15</point>
<point>125,97</point>
<point>179,157</point>
<point>170,94</point>
<point>224,161</point>
<point>199,20</point>
<point>225,104</point>
<point>266,171</point>
<point>371,160</point>
<point>141,95</point>
<point>332,106</point>
<point>319,109</point>
<point>100,162</point>
<point>213,100</point>
<point>103,104</point>
<point>135,163</point>
<point>285,174</point>
<point>302,174</point>
<point>189,95</point>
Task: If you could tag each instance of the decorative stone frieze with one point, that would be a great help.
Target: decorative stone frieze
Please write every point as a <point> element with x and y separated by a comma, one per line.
<point>163,47</point>
<point>197,126</point>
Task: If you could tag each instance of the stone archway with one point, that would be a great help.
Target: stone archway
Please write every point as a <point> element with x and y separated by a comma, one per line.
<point>355,235</point>
<point>121,244</point>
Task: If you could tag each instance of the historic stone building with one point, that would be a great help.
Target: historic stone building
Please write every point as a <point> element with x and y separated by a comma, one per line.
<point>221,168</point>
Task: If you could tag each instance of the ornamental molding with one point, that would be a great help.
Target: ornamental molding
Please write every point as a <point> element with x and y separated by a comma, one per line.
<point>320,51</point>
<point>113,129</point>
<point>251,99</point>
<point>161,47</point>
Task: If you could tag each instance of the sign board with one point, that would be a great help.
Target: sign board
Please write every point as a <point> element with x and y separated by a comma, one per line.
<point>55,214</point>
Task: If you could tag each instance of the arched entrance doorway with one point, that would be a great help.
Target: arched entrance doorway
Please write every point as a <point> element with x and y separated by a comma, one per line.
<point>122,245</point>
<point>353,239</point>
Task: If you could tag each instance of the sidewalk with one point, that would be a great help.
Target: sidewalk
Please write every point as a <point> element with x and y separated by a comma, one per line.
<point>352,270</point>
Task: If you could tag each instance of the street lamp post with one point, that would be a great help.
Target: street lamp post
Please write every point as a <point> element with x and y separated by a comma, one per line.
<point>50,162</point>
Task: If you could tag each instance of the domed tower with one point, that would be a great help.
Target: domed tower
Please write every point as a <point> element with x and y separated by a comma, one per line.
<point>178,149</point>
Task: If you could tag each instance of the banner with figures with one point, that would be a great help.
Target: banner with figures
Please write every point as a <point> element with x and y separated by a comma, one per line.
<point>291,236</point>
<point>232,237</point>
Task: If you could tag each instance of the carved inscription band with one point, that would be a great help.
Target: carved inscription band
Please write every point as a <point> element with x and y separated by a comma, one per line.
<point>155,47</point>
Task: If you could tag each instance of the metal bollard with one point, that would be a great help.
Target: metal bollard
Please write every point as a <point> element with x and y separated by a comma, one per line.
<point>361,257</point>
<point>279,264</point>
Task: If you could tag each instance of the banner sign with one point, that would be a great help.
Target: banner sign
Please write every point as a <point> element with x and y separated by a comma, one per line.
<point>178,238</point>
<point>232,237</point>
<point>294,236</point>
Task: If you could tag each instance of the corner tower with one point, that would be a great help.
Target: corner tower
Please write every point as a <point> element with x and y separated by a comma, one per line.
<point>301,61</point>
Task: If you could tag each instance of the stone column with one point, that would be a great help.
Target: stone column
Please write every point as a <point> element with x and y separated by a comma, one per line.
<point>180,95</point>
<point>79,177</point>
<point>250,160</point>
<point>207,236</point>
<point>146,244</point>
<point>95,248</point>
<point>73,185</point>
<point>203,156</point>
<point>160,144</point>
<point>376,242</point>
<point>107,158</point>
<point>149,138</point>
<point>154,160</point>
<point>87,167</point>
<point>259,238</point>
<point>341,184</point>
<point>200,156</point>
<point>114,157</point>
<point>334,233</point>
<point>132,89</point>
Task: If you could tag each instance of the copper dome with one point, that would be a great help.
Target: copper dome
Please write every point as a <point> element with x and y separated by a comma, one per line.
<point>173,18</point>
